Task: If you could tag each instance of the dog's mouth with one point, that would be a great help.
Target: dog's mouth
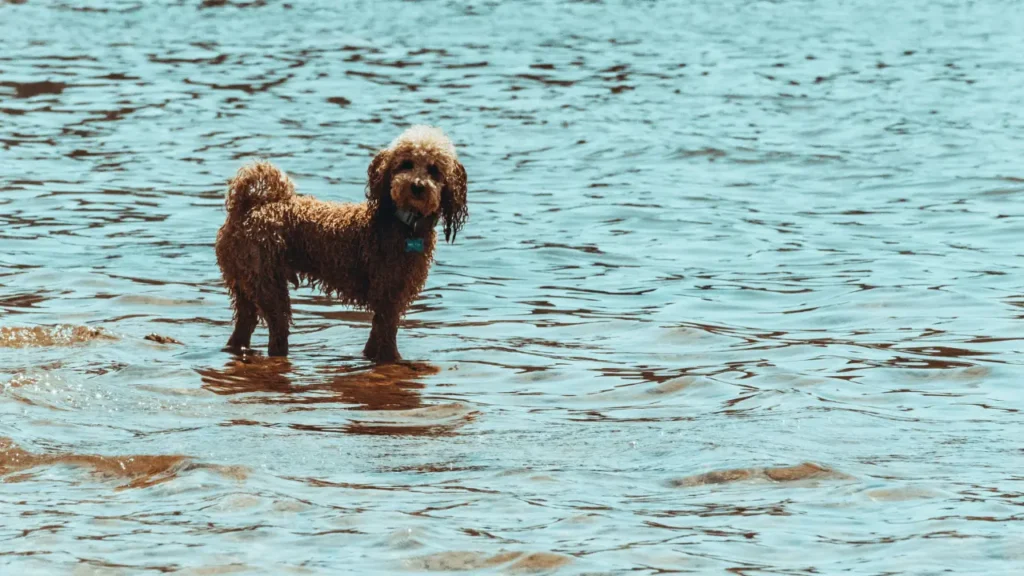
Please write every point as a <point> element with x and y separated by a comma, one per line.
<point>416,222</point>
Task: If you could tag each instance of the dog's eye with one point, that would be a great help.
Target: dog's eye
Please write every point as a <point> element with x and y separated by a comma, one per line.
<point>406,165</point>
<point>434,171</point>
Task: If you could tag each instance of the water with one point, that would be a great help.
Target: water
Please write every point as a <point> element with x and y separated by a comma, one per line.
<point>740,290</point>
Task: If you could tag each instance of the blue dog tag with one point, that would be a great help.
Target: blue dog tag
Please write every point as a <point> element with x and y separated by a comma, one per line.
<point>414,244</point>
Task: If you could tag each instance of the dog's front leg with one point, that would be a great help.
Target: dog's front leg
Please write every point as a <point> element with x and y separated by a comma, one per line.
<point>370,350</point>
<point>382,346</point>
<point>278,328</point>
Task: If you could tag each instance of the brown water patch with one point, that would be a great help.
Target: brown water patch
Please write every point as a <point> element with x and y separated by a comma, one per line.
<point>805,471</point>
<point>545,79</point>
<point>141,471</point>
<point>539,562</point>
<point>27,300</point>
<point>162,339</point>
<point>61,335</point>
<point>517,562</point>
<point>30,89</point>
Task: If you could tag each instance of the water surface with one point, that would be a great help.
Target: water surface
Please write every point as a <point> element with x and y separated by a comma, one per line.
<point>740,291</point>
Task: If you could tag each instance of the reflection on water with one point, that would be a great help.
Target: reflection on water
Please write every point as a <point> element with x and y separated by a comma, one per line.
<point>741,290</point>
<point>387,396</point>
<point>370,387</point>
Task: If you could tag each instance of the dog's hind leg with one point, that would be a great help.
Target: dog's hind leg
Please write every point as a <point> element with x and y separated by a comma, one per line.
<point>275,307</point>
<point>246,319</point>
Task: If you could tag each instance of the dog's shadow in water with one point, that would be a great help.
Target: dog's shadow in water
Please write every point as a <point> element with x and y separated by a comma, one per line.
<point>362,386</point>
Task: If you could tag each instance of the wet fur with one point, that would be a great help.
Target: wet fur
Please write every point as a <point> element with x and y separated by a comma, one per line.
<point>273,236</point>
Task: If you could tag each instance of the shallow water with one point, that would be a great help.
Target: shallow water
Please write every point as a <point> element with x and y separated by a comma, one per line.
<point>740,290</point>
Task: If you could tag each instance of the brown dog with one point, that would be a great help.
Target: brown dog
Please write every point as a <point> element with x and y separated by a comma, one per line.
<point>374,255</point>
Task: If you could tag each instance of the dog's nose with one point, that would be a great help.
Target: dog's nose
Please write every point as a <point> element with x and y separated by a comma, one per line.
<point>417,189</point>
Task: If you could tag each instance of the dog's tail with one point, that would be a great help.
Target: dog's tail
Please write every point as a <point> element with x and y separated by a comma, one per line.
<point>257,184</point>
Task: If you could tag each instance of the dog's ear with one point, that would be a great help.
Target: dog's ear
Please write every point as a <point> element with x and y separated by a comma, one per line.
<point>378,177</point>
<point>453,201</point>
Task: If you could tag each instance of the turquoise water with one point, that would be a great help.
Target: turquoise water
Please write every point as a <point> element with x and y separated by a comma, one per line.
<point>706,237</point>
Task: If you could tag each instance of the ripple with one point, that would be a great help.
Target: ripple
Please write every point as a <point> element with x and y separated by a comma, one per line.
<point>514,562</point>
<point>142,471</point>
<point>427,421</point>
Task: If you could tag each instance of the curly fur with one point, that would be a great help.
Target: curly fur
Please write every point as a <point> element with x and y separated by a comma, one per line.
<point>356,252</point>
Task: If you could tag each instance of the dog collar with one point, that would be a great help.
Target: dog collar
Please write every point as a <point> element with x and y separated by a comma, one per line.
<point>418,224</point>
<point>407,217</point>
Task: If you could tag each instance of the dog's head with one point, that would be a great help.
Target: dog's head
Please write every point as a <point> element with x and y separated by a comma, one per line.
<point>420,173</point>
